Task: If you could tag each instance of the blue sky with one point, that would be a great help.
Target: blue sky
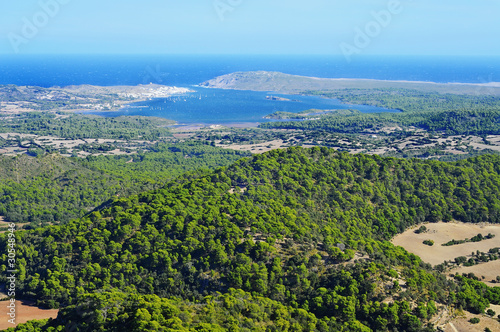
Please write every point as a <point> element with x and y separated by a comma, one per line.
<point>459,27</point>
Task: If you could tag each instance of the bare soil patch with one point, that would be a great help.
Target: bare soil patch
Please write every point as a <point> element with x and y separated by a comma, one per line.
<point>443,232</point>
<point>489,271</point>
<point>255,148</point>
<point>462,324</point>
<point>25,311</point>
<point>4,223</point>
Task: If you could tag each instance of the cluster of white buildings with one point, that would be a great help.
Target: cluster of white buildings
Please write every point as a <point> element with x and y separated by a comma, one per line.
<point>154,92</point>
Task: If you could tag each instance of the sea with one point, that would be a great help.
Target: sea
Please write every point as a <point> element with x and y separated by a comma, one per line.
<point>215,106</point>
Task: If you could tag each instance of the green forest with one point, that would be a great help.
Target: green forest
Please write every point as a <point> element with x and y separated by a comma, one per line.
<point>290,240</point>
<point>55,189</point>
<point>78,126</point>
<point>434,112</point>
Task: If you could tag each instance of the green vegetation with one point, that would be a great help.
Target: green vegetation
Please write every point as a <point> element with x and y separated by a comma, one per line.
<point>449,113</point>
<point>413,101</point>
<point>307,114</point>
<point>77,126</point>
<point>474,320</point>
<point>429,243</point>
<point>421,229</point>
<point>53,189</point>
<point>476,238</point>
<point>463,122</point>
<point>267,244</point>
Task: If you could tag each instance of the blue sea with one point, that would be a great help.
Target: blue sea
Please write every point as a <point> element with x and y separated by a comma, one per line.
<point>223,106</point>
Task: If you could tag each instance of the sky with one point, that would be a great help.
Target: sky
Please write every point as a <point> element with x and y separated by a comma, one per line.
<point>389,27</point>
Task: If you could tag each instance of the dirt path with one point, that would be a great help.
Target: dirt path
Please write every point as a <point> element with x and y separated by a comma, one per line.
<point>453,327</point>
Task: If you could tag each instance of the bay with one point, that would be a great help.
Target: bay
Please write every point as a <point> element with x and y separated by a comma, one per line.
<point>230,107</point>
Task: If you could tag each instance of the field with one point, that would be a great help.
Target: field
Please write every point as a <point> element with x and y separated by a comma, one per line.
<point>255,148</point>
<point>443,232</point>
<point>25,311</point>
<point>462,324</point>
<point>489,271</point>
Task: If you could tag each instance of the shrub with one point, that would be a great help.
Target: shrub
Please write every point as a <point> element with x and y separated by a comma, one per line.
<point>422,229</point>
<point>474,320</point>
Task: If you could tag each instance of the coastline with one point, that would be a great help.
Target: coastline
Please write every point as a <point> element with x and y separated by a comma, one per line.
<point>81,98</point>
<point>293,84</point>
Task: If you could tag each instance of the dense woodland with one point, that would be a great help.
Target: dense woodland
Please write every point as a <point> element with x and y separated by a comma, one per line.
<point>265,244</point>
<point>447,113</point>
<point>54,189</point>
<point>78,126</point>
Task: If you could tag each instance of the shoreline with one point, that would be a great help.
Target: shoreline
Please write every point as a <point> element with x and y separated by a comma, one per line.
<point>291,84</point>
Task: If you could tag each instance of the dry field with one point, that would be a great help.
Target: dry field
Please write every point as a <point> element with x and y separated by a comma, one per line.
<point>462,324</point>
<point>4,223</point>
<point>255,148</point>
<point>458,321</point>
<point>443,232</point>
<point>25,311</point>
<point>489,271</point>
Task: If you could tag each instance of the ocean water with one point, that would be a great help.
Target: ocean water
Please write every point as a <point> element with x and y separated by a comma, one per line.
<point>230,107</point>
<point>47,70</point>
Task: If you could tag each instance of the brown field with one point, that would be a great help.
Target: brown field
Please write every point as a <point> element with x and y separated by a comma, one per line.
<point>489,271</point>
<point>443,232</point>
<point>255,148</point>
<point>25,311</point>
<point>462,324</point>
<point>6,223</point>
<point>450,320</point>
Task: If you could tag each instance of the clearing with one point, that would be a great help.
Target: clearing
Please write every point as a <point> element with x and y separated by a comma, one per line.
<point>25,311</point>
<point>443,232</point>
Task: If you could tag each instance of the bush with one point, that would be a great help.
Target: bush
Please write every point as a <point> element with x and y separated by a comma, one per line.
<point>429,242</point>
<point>474,320</point>
<point>422,229</point>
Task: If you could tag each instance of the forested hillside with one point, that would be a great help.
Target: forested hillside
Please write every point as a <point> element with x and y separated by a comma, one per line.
<point>54,189</point>
<point>86,126</point>
<point>263,245</point>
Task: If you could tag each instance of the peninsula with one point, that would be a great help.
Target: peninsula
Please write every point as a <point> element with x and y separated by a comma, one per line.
<point>286,83</point>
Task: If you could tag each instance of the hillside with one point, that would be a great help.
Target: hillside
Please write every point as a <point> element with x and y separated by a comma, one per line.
<point>52,188</point>
<point>267,244</point>
<point>281,82</point>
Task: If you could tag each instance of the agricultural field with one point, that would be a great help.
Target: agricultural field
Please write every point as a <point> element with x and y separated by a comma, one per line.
<point>443,232</point>
<point>25,311</point>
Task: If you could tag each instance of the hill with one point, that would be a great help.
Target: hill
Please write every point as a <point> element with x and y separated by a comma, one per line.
<point>280,82</point>
<point>267,244</point>
<point>52,188</point>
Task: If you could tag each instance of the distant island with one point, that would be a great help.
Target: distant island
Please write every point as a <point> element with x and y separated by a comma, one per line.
<point>281,99</point>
